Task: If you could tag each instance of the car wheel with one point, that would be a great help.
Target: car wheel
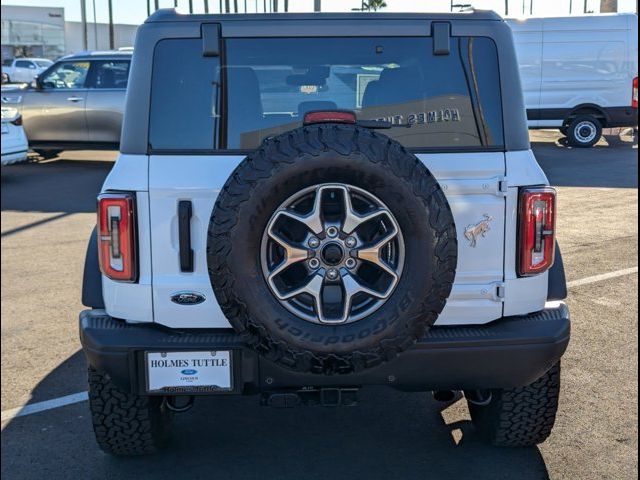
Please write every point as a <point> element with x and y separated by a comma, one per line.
<point>124,423</point>
<point>517,417</point>
<point>584,131</point>
<point>331,249</point>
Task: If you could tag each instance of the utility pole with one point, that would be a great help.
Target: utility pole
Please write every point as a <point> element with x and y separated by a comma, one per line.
<point>157,5</point>
<point>275,6</point>
<point>206,6</point>
<point>95,25</point>
<point>83,18</point>
<point>317,5</point>
<point>190,6</point>
<point>111,42</point>
<point>148,8</point>
<point>227,6</point>
<point>235,6</point>
<point>506,8</point>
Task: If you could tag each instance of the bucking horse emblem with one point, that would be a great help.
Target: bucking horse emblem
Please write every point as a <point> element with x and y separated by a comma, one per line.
<point>472,232</point>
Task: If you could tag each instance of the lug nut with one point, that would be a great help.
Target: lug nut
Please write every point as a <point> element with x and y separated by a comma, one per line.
<point>313,242</point>
<point>350,263</point>
<point>350,242</point>
<point>332,231</point>
<point>314,263</point>
<point>332,274</point>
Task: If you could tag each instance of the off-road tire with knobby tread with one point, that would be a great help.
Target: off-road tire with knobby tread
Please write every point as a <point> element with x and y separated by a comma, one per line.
<point>519,417</point>
<point>123,423</point>
<point>312,155</point>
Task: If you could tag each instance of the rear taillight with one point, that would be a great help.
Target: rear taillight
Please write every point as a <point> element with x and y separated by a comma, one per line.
<point>537,230</point>
<point>634,94</point>
<point>329,116</point>
<point>17,121</point>
<point>116,236</point>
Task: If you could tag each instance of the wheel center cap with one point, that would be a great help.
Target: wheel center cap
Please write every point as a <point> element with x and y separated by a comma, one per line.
<point>332,254</point>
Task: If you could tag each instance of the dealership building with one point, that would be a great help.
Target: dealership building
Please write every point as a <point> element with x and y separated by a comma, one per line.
<point>43,32</point>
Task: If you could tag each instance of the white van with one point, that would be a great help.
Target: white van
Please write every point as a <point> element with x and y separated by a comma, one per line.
<point>579,74</point>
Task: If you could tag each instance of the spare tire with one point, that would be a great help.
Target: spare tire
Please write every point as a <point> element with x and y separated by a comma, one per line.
<point>331,249</point>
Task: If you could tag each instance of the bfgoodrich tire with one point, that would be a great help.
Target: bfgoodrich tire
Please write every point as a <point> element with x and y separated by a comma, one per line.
<point>517,417</point>
<point>354,158</point>
<point>126,424</point>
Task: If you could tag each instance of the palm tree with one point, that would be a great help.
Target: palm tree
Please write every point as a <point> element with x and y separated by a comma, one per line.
<point>374,5</point>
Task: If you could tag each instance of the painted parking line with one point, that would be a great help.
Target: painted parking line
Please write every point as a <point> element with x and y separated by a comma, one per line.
<point>604,276</point>
<point>82,396</point>
<point>42,406</point>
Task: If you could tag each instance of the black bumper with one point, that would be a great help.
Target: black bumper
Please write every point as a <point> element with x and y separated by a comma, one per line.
<point>510,352</point>
<point>621,116</point>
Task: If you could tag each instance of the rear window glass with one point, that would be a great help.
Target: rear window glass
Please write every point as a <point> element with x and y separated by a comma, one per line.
<point>183,97</point>
<point>445,101</point>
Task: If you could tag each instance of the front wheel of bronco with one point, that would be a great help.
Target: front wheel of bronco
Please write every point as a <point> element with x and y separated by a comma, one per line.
<point>517,417</point>
<point>123,423</point>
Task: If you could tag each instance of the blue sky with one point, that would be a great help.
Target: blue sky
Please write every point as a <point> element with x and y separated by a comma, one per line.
<point>135,11</point>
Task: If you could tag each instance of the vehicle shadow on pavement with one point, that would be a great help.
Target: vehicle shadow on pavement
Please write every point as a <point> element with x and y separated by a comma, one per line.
<point>61,186</point>
<point>605,166</point>
<point>390,435</point>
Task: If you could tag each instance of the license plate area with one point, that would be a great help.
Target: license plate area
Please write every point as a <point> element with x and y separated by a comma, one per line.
<point>189,372</point>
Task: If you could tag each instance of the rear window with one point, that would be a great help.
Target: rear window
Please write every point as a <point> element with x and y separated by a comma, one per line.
<point>445,101</point>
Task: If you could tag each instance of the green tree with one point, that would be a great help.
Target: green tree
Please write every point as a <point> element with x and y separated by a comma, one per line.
<point>374,5</point>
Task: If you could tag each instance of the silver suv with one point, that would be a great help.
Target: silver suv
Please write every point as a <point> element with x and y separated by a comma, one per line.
<point>75,103</point>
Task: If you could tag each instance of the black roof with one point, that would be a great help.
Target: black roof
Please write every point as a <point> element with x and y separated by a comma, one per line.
<point>172,15</point>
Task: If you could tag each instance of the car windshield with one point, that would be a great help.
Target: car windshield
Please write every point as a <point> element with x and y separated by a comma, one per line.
<point>43,63</point>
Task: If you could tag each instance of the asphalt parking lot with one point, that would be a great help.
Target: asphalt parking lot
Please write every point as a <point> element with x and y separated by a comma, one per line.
<point>47,216</point>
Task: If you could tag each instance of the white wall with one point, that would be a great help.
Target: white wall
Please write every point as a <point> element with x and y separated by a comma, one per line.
<point>124,36</point>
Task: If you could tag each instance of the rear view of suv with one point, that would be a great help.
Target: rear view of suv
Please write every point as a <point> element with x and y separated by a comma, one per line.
<point>307,204</point>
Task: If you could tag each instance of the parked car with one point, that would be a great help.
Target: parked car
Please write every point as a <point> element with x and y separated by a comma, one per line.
<point>307,204</point>
<point>23,70</point>
<point>14,141</point>
<point>76,103</point>
<point>579,74</point>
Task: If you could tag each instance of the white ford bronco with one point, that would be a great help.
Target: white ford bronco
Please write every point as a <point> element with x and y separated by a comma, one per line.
<point>304,205</point>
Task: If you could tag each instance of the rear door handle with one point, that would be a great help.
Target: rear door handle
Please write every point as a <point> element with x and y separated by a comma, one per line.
<point>74,99</point>
<point>184,235</point>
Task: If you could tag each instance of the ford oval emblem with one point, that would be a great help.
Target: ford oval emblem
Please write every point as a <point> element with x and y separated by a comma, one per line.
<point>187,298</point>
<point>188,372</point>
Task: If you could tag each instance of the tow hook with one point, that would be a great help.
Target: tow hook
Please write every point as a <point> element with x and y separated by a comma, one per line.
<point>171,405</point>
<point>324,397</point>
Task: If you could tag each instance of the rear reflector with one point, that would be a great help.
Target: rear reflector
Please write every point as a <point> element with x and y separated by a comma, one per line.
<point>116,236</point>
<point>537,230</point>
<point>634,94</point>
<point>329,116</point>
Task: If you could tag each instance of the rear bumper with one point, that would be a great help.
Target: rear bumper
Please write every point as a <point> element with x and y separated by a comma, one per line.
<point>14,156</point>
<point>507,353</point>
<point>622,117</point>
